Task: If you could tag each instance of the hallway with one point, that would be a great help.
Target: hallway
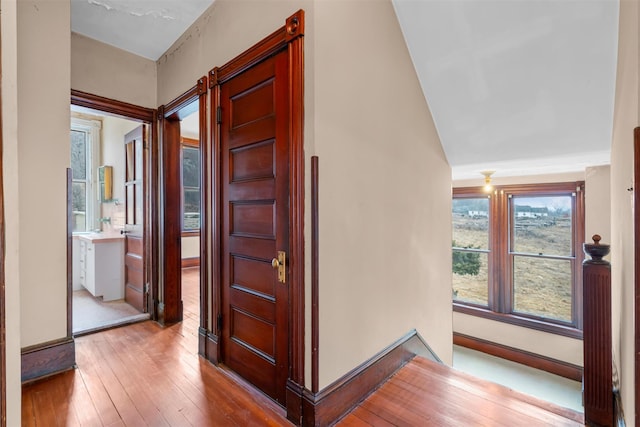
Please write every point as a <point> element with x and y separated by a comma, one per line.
<point>147,375</point>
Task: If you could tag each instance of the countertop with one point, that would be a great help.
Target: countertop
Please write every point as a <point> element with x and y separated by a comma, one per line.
<point>100,237</point>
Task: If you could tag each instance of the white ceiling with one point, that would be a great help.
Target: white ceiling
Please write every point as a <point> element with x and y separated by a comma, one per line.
<point>144,27</point>
<point>518,86</point>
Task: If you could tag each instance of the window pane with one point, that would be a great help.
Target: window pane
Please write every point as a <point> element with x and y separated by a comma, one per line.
<point>542,287</point>
<point>190,167</point>
<point>191,209</point>
<point>470,277</point>
<point>471,223</point>
<point>79,205</point>
<point>79,154</point>
<point>542,225</point>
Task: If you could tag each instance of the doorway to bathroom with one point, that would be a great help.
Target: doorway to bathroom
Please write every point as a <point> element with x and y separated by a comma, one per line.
<point>109,208</point>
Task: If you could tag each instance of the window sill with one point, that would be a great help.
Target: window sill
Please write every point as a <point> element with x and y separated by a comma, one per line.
<point>190,233</point>
<point>524,322</point>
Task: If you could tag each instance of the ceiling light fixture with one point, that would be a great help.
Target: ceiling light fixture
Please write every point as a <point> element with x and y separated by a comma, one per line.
<point>487,180</point>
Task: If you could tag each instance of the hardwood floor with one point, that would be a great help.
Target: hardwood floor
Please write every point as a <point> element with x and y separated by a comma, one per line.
<point>425,393</point>
<point>146,375</point>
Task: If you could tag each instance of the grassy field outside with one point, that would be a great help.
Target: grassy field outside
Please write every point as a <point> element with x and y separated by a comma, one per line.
<point>542,286</point>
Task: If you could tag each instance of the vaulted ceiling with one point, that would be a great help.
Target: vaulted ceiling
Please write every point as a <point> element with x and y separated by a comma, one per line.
<point>518,86</point>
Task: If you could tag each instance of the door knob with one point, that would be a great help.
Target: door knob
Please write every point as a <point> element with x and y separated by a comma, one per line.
<point>280,264</point>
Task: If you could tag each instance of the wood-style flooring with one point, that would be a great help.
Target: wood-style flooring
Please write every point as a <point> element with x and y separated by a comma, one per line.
<point>426,393</point>
<point>147,375</point>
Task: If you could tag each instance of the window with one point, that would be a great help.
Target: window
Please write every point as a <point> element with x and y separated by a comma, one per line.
<point>85,145</point>
<point>517,255</point>
<point>190,185</point>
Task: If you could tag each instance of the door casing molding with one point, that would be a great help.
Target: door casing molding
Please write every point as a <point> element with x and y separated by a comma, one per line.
<point>150,228</point>
<point>290,37</point>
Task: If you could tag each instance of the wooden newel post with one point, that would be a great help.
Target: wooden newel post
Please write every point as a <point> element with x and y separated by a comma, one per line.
<point>597,377</point>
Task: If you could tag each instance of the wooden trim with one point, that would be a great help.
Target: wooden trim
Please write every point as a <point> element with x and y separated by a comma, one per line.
<point>287,37</point>
<point>215,160</point>
<point>204,200</point>
<point>208,345</point>
<point>336,400</point>
<point>112,106</point>
<point>544,363</point>
<point>525,322</point>
<point>183,104</point>
<point>172,221</point>
<point>636,231</point>
<point>171,143</point>
<point>315,274</point>
<point>191,262</point>
<point>69,253</point>
<point>294,32</point>
<point>46,359</point>
<point>597,384</point>
<point>500,301</point>
<point>150,185</point>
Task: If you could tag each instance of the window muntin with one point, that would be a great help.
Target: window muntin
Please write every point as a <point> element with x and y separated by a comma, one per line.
<point>471,250</point>
<point>534,276</point>
<point>84,161</point>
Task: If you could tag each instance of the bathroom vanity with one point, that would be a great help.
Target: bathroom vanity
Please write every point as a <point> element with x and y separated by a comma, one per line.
<point>99,265</point>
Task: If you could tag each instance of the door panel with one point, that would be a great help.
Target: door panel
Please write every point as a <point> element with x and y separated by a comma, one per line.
<point>255,220</point>
<point>134,207</point>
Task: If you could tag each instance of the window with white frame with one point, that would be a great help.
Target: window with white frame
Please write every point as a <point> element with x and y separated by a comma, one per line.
<point>85,159</point>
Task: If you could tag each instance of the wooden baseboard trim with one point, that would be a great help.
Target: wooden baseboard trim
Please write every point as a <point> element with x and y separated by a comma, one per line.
<point>544,363</point>
<point>208,345</point>
<point>191,262</point>
<point>336,400</point>
<point>46,359</point>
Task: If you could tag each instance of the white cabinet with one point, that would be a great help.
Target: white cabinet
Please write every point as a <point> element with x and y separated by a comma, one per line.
<point>101,266</point>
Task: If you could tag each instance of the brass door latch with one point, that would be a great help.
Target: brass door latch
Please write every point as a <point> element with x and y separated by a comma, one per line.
<point>280,264</point>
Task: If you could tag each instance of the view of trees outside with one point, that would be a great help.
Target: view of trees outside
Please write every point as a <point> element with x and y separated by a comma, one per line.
<point>542,228</point>
<point>79,182</point>
<point>191,187</point>
<point>470,250</point>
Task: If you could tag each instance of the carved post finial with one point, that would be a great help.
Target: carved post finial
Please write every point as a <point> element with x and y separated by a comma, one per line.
<point>596,250</point>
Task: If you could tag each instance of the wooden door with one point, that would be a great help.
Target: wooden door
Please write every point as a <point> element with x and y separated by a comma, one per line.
<point>255,224</point>
<point>134,276</point>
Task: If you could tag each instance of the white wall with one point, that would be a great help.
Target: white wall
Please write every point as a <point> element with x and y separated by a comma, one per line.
<point>598,203</point>
<point>626,118</point>
<point>8,27</point>
<point>112,153</point>
<point>43,156</point>
<point>104,70</point>
<point>366,117</point>
<point>190,247</point>
<point>385,191</point>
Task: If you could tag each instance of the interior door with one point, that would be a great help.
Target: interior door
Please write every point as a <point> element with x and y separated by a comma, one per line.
<point>134,143</point>
<point>255,224</point>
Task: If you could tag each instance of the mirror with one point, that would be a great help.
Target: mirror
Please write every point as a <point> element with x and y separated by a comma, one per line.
<point>105,181</point>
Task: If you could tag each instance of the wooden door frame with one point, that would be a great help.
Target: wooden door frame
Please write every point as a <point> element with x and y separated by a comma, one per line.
<point>150,186</point>
<point>169,116</point>
<point>288,38</point>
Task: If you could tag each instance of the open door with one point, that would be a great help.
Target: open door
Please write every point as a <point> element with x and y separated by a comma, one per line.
<point>135,292</point>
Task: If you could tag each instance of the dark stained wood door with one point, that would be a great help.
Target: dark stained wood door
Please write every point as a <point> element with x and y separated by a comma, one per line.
<point>255,224</point>
<point>134,143</point>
